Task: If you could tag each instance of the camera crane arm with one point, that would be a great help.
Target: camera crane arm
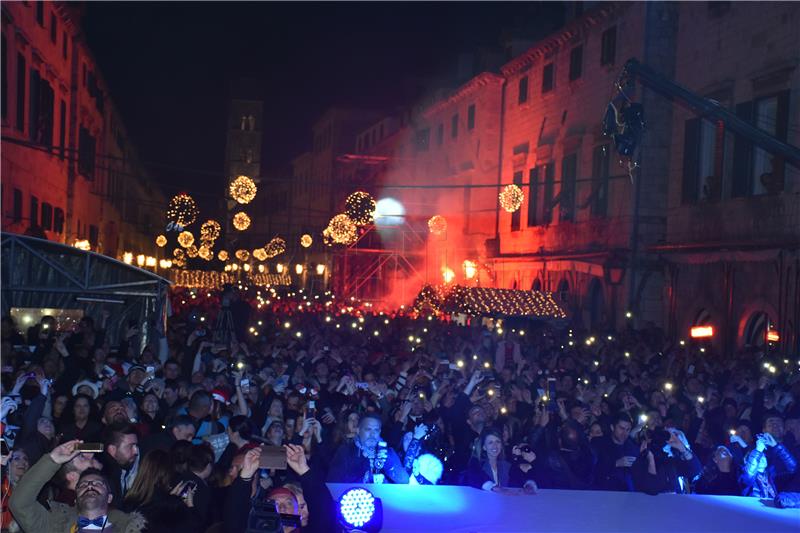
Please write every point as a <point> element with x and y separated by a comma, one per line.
<point>706,107</point>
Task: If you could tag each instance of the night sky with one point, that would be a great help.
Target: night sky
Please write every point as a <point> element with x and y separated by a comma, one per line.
<point>167,66</point>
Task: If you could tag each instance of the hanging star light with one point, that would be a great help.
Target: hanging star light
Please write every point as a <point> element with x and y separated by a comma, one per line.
<point>161,241</point>
<point>275,247</point>
<point>242,255</point>
<point>342,230</point>
<point>260,254</point>
<point>360,208</point>
<point>511,197</point>
<point>204,252</point>
<point>243,190</point>
<point>222,255</point>
<point>182,210</point>
<point>186,239</point>
<point>306,240</point>
<point>437,224</point>
<point>191,251</point>
<point>210,231</point>
<point>241,221</point>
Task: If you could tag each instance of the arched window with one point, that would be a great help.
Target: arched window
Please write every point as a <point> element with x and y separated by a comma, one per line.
<point>755,332</point>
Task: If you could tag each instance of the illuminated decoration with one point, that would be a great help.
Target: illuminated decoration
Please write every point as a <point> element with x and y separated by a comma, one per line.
<point>320,270</point>
<point>298,268</point>
<point>260,254</point>
<point>82,244</point>
<point>359,509</point>
<point>185,239</point>
<point>222,255</point>
<point>389,212</point>
<point>243,190</point>
<point>246,267</point>
<point>191,251</point>
<point>360,208</point>
<point>262,268</point>
<point>773,336</point>
<point>127,258</point>
<point>204,252</point>
<point>150,261</point>
<point>342,230</point>
<point>182,210</point>
<point>279,268</point>
<point>161,241</point>
<point>204,279</point>
<point>140,259</point>
<point>210,231</point>
<point>511,198</point>
<point>242,255</point>
<point>470,268</point>
<point>177,253</point>
<point>701,332</point>
<point>448,275</point>
<point>437,224</point>
<point>306,240</point>
<point>165,263</point>
<point>241,221</point>
<point>481,301</point>
<point>275,247</point>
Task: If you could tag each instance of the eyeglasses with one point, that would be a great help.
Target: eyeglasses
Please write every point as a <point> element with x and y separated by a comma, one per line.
<point>90,482</point>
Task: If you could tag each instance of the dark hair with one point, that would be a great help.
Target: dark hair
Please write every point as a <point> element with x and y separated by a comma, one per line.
<point>95,472</point>
<point>241,424</point>
<point>179,453</point>
<point>374,416</point>
<point>491,432</point>
<point>172,361</point>
<point>114,433</point>
<point>155,473</point>
<point>70,408</point>
<point>181,420</point>
<point>200,457</point>
<point>621,417</point>
<point>172,384</point>
<point>199,399</point>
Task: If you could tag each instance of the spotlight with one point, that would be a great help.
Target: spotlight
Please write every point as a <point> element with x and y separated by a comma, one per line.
<point>359,509</point>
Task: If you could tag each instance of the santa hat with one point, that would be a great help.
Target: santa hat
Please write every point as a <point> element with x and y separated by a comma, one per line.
<point>221,396</point>
<point>85,383</point>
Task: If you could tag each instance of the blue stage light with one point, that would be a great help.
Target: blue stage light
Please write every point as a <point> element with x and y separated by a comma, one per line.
<point>358,508</point>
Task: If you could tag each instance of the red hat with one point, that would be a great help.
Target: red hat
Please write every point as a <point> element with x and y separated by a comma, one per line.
<point>282,491</point>
<point>221,396</point>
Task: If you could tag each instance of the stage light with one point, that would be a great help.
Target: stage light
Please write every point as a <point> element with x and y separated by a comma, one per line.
<point>389,212</point>
<point>358,508</point>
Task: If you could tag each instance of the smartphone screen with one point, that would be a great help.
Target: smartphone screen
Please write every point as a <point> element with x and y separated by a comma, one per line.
<point>90,447</point>
<point>273,457</point>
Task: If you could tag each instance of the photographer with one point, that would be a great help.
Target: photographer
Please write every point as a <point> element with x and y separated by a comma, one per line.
<point>665,463</point>
<point>364,461</point>
<point>764,466</point>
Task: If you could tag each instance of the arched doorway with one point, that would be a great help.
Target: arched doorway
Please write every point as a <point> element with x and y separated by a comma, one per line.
<point>755,332</point>
<point>597,304</point>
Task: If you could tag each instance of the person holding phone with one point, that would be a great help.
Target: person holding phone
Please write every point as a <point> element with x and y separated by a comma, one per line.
<point>616,452</point>
<point>367,459</point>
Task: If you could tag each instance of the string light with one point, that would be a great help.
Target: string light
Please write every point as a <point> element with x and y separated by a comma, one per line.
<point>342,230</point>
<point>470,268</point>
<point>210,231</point>
<point>437,224</point>
<point>477,301</point>
<point>182,210</point>
<point>161,241</point>
<point>275,247</point>
<point>179,254</point>
<point>243,190</point>
<point>204,279</point>
<point>306,240</point>
<point>260,254</point>
<point>242,255</point>
<point>511,198</point>
<point>222,255</point>
<point>360,208</point>
<point>185,239</point>
<point>191,251</point>
<point>204,252</point>
<point>241,221</point>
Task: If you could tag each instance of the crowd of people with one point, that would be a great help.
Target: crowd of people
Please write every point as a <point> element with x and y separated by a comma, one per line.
<point>145,436</point>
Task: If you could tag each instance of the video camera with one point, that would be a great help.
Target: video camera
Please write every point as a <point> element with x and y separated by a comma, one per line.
<point>265,518</point>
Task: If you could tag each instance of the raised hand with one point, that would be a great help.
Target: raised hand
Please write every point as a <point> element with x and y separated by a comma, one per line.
<point>250,463</point>
<point>296,459</point>
<point>65,452</point>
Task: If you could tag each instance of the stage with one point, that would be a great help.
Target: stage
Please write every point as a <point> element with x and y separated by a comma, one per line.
<point>449,508</point>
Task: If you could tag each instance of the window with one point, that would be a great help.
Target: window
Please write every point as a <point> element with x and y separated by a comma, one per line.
<point>549,182</point>
<point>40,12</point>
<point>34,218</point>
<point>423,140</point>
<point>53,28</point>
<point>47,216</point>
<point>454,126</point>
<point>471,117</point>
<point>576,63</point>
<point>569,167</point>
<point>547,78</point>
<point>600,165</point>
<point>40,117</point>
<point>94,235</point>
<point>58,220</point>
<point>440,135</point>
<point>533,196</point>
<point>701,174</point>
<point>86,154</point>
<point>523,90</point>
<point>21,75</point>
<point>64,46</point>
<point>516,215</point>
<point>17,209</point>
<point>608,46</point>
<point>62,129</point>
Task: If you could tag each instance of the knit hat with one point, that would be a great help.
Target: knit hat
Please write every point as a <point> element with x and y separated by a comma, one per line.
<point>86,383</point>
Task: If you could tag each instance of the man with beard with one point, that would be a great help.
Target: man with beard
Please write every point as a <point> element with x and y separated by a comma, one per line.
<point>91,512</point>
<point>364,461</point>
<point>121,457</point>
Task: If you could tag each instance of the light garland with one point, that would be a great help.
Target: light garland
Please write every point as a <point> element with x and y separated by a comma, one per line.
<point>205,279</point>
<point>210,231</point>
<point>306,240</point>
<point>437,224</point>
<point>260,254</point>
<point>243,190</point>
<point>177,253</point>
<point>360,208</point>
<point>242,255</point>
<point>275,247</point>
<point>222,255</point>
<point>191,251</point>
<point>481,301</point>
<point>185,239</point>
<point>182,210</point>
<point>511,198</point>
<point>342,230</point>
<point>161,241</point>
<point>241,221</point>
<point>204,252</point>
